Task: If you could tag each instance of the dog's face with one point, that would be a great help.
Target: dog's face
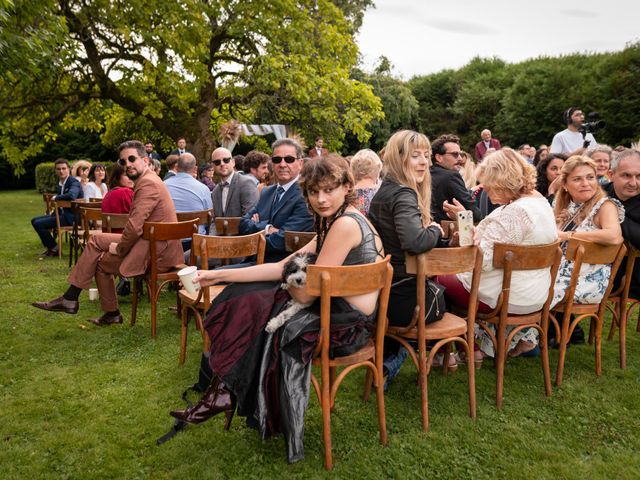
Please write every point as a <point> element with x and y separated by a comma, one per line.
<point>294,273</point>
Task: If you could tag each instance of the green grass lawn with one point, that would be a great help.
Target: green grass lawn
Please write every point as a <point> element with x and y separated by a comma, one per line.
<point>79,401</point>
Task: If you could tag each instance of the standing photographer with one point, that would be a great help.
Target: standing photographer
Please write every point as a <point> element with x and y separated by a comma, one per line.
<point>571,141</point>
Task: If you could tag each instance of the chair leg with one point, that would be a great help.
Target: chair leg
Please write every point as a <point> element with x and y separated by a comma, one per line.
<point>422,380</point>
<point>598,340</point>
<point>368,378</point>
<point>135,292</point>
<point>326,417</point>
<point>561,358</point>
<point>471,378</point>
<point>592,327</point>
<point>546,371</point>
<point>153,298</point>
<point>500,355</point>
<point>382,419</point>
<point>615,320</point>
<point>184,321</point>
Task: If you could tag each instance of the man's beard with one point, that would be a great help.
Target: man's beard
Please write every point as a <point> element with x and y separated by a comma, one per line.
<point>134,176</point>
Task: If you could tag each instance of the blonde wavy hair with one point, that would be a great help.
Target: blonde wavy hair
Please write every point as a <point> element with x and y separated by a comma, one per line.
<point>396,156</point>
<point>468,171</point>
<point>365,163</point>
<point>563,199</point>
<point>505,171</point>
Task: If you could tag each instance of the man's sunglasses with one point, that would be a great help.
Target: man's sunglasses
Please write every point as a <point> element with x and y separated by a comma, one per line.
<point>123,161</point>
<point>288,159</point>
<point>217,163</point>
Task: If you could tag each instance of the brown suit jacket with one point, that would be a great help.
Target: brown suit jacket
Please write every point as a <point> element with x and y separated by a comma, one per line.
<point>314,153</point>
<point>151,203</point>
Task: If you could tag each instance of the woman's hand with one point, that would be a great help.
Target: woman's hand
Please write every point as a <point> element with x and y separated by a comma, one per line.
<point>452,209</point>
<point>207,277</point>
<point>438,226</point>
<point>555,185</point>
<point>564,236</point>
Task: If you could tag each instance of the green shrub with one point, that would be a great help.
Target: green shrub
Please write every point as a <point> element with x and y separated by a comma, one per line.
<point>46,179</point>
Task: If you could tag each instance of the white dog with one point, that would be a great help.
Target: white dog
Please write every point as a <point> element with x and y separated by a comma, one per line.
<point>294,274</point>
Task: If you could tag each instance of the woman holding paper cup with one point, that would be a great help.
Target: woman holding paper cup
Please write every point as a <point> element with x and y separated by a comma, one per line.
<point>524,218</point>
<point>248,360</point>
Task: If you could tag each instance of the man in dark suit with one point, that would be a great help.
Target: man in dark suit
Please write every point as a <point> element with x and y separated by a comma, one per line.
<point>449,195</point>
<point>182,147</point>
<point>281,207</point>
<point>68,188</point>
<point>126,254</point>
<point>625,186</point>
<point>235,194</point>
<point>148,147</point>
<point>485,144</point>
<point>318,150</point>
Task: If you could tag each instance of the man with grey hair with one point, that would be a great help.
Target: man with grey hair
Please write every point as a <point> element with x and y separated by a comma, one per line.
<point>281,207</point>
<point>485,144</point>
<point>187,193</point>
<point>624,173</point>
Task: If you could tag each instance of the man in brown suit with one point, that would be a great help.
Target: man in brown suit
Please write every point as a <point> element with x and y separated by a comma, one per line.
<point>127,254</point>
<point>318,150</point>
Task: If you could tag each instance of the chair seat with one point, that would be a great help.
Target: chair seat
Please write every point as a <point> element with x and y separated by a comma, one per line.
<point>171,274</point>
<point>190,298</point>
<point>449,325</point>
<point>528,319</point>
<point>365,353</point>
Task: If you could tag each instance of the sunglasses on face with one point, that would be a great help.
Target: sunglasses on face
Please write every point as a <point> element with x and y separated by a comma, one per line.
<point>217,163</point>
<point>454,154</point>
<point>288,159</point>
<point>123,161</point>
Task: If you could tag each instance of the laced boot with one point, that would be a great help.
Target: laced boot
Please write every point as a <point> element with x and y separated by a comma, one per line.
<point>216,399</point>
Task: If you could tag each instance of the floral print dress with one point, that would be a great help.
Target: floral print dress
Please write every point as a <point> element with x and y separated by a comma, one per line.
<point>593,279</point>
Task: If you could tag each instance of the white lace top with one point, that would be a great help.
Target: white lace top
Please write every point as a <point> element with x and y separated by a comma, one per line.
<point>526,221</point>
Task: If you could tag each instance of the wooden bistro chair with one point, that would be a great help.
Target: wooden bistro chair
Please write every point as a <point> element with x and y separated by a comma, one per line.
<point>520,257</point>
<point>343,281</point>
<point>206,247</point>
<point>294,241</point>
<point>48,203</point>
<point>204,217</point>
<point>159,232</point>
<point>226,226</point>
<point>621,305</point>
<point>450,328</point>
<point>582,252</point>
<point>112,221</point>
<point>91,223</point>
<point>62,229</point>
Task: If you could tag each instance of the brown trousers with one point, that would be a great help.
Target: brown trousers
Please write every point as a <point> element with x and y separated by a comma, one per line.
<point>96,261</point>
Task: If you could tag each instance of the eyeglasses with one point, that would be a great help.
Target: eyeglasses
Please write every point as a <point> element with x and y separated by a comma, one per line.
<point>217,163</point>
<point>453,154</point>
<point>288,159</point>
<point>123,161</point>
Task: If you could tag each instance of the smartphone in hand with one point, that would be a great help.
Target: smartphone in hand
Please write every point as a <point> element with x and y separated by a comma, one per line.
<point>465,228</point>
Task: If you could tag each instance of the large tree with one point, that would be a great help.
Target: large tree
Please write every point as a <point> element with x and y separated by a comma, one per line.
<point>175,65</point>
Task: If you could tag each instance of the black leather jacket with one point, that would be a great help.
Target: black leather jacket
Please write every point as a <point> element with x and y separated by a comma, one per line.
<point>395,214</point>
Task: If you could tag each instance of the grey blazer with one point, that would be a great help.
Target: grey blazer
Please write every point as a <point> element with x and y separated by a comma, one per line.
<point>243,195</point>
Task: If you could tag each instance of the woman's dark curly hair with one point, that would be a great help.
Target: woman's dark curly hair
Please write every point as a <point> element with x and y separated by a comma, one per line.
<point>543,183</point>
<point>321,172</point>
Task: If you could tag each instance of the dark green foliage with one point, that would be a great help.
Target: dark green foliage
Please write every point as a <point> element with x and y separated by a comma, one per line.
<point>523,103</point>
<point>46,179</point>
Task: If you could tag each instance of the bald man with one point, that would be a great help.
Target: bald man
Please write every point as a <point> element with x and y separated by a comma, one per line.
<point>485,144</point>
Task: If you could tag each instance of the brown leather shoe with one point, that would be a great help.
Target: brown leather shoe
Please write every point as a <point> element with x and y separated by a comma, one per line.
<point>59,304</point>
<point>106,320</point>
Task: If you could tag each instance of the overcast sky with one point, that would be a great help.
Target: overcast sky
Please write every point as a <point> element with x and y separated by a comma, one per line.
<point>426,36</point>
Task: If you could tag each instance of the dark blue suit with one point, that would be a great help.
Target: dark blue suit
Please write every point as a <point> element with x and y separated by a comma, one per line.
<point>72,191</point>
<point>290,214</point>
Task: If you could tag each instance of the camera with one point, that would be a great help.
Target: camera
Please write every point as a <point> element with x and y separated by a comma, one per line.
<point>593,124</point>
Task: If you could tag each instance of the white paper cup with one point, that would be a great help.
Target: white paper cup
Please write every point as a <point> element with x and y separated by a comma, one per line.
<point>93,294</point>
<point>186,276</point>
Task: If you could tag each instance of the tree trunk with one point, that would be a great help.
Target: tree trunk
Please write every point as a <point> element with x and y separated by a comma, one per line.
<point>200,138</point>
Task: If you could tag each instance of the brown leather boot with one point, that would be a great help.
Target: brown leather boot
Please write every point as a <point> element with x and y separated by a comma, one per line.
<point>216,399</point>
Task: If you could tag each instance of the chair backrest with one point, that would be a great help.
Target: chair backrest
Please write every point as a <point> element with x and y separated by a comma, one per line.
<point>208,246</point>
<point>95,200</point>
<point>449,227</point>
<point>226,226</point>
<point>48,202</point>
<point>204,217</point>
<point>58,204</point>
<point>344,281</point>
<point>294,241</point>
<point>163,231</point>
<point>524,257</point>
<point>113,220</point>
<point>444,261</point>
<point>625,286</point>
<point>583,252</point>
<point>91,217</point>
